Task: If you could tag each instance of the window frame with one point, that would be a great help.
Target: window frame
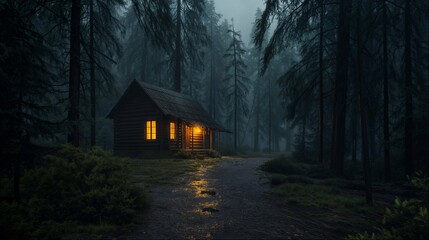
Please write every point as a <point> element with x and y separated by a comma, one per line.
<point>150,128</point>
<point>173,131</point>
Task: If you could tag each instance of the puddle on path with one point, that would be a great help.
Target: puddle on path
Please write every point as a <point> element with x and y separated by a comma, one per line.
<point>225,201</point>
<point>208,200</point>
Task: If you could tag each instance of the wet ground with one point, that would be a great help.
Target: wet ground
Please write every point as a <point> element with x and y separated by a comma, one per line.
<point>229,200</point>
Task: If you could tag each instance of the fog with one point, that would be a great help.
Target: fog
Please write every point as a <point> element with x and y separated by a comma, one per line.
<point>154,119</point>
<point>242,11</point>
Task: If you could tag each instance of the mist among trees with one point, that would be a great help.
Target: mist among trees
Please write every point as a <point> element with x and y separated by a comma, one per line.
<point>342,84</point>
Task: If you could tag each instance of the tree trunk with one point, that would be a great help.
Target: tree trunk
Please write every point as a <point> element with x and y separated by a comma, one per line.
<point>17,177</point>
<point>408,92</point>
<point>288,137</point>
<point>178,53</point>
<point>275,135</point>
<point>362,110</point>
<point>340,95</point>
<point>304,123</point>
<point>74,77</point>
<point>235,90</point>
<point>191,83</point>
<point>269,116</point>
<point>92,71</point>
<point>145,72</point>
<point>354,131</point>
<point>365,150</point>
<point>257,119</point>
<point>321,107</point>
<point>387,176</point>
<point>212,96</point>
<point>17,158</point>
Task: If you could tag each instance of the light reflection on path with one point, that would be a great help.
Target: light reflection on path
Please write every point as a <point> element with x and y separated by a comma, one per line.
<point>229,201</point>
<point>202,188</point>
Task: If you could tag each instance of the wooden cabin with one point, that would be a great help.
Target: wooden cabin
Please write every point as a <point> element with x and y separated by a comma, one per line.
<point>153,121</point>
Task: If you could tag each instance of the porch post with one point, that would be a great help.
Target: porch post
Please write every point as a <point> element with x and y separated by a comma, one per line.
<point>211,139</point>
<point>192,139</point>
<point>204,137</point>
<point>218,140</point>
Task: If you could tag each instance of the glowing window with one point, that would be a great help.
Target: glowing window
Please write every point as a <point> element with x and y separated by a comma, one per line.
<point>150,130</point>
<point>197,129</point>
<point>172,130</point>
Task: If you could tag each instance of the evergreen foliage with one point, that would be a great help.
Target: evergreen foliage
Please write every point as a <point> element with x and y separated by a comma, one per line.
<point>71,189</point>
<point>236,84</point>
<point>407,219</point>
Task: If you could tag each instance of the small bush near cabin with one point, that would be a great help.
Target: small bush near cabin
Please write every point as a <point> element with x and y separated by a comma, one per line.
<point>71,189</point>
<point>184,155</point>
<point>214,154</point>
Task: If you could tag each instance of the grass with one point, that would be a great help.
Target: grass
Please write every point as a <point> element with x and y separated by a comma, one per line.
<point>313,185</point>
<point>314,189</point>
<point>289,166</point>
<point>320,196</point>
<point>165,171</point>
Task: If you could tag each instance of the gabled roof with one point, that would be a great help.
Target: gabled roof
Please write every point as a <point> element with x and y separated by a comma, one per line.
<point>177,105</point>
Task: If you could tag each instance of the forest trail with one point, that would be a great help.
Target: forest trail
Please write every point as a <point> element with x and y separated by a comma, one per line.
<point>229,200</point>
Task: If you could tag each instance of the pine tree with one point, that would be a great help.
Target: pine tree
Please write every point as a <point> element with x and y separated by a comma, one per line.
<point>190,35</point>
<point>236,69</point>
<point>74,73</point>
<point>29,99</point>
<point>408,90</point>
<point>340,93</point>
<point>362,109</point>
<point>386,132</point>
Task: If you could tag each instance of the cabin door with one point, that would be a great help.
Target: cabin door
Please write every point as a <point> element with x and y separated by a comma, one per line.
<point>194,137</point>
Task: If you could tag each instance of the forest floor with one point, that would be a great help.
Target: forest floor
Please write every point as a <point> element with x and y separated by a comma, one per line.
<point>234,199</point>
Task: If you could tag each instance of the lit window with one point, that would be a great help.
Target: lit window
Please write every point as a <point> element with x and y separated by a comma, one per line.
<point>150,130</point>
<point>172,130</point>
<point>197,129</point>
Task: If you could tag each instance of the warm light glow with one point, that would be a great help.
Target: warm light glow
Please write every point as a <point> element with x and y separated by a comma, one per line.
<point>151,130</point>
<point>172,130</point>
<point>197,129</point>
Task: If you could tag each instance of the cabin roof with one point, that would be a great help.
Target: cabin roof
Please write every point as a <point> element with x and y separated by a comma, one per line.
<point>176,105</point>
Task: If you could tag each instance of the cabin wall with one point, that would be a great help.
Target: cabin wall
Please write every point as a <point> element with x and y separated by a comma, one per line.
<point>175,144</point>
<point>129,120</point>
<point>130,126</point>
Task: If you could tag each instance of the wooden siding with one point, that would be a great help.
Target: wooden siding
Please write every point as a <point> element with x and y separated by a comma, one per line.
<point>130,125</point>
<point>129,122</point>
<point>176,144</point>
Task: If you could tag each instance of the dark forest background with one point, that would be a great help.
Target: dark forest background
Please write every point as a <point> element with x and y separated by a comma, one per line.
<point>344,83</point>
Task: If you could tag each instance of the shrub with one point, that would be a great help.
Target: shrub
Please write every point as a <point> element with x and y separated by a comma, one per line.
<point>278,179</point>
<point>74,187</point>
<point>283,166</point>
<point>184,155</point>
<point>229,152</point>
<point>214,154</point>
<point>319,172</point>
<point>407,219</point>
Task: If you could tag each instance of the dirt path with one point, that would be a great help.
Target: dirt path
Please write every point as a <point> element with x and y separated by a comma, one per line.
<point>230,200</point>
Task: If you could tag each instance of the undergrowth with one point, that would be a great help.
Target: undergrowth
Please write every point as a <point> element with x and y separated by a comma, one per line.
<point>313,185</point>
<point>73,191</point>
<point>407,219</point>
